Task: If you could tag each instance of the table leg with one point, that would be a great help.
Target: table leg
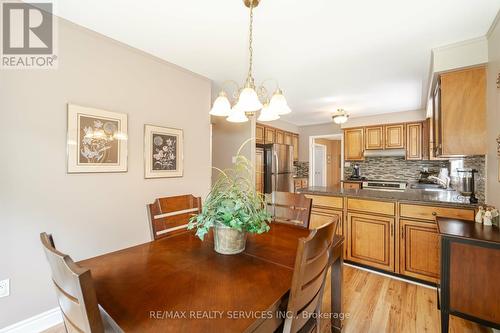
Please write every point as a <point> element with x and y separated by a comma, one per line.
<point>336,289</point>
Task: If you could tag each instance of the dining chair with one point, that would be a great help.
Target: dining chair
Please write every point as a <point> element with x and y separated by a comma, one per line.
<point>75,293</point>
<point>289,208</point>
<point>170,215</point>
<point>308,282</point>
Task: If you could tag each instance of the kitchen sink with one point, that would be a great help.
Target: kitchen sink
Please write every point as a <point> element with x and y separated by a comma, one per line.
<point>428,187</point>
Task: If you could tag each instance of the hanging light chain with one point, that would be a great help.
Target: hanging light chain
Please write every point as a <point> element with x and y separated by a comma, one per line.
<point>250,46</point>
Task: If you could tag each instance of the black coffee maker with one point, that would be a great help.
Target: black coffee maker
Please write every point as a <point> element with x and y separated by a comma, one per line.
<point>356,173</point>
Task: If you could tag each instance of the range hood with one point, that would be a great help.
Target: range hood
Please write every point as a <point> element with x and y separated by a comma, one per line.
<point>385,153</point>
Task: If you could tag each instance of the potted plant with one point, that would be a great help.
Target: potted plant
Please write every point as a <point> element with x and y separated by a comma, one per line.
<point>232,208</point>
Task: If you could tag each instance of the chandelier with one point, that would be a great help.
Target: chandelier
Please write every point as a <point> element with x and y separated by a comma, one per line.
<point>340,117</point>
<point>249,99</point>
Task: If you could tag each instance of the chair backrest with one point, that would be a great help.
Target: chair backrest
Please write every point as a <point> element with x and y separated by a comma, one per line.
<point>289,208</point>
<point>171,214</point>
<point>75,291</point>
<point>309,276</point>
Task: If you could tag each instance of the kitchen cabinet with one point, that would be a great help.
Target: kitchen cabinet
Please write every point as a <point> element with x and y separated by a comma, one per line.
<point>414,141</point>
<point>270,135</point>
<point>370,240</point>
<point>259,170</point>
<point>280,136</point>
<point>394,136</point>
<point>259,134</point>
<point>459,113</point>
<point>419,250</point>
<point>300,183</point>
<point>295,143</point>
<point>351,185</point>
<point>374,137</point>
<point>354,144</point>
<point>288,139</point>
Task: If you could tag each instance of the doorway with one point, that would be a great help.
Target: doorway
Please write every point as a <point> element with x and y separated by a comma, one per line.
<point>319,165</point>
<point>330,173</point>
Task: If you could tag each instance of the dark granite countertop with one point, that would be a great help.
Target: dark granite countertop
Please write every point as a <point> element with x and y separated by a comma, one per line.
<point>451,198</point>
<point>300,176</point>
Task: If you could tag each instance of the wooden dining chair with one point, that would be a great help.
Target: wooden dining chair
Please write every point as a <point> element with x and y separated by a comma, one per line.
<point>308,282</point>
<point>75,293</point>
<point>171,215</point>
<point>289,208</point>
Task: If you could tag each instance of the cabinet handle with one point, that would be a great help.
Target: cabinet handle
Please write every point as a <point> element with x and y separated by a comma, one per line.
<point>434,214</point>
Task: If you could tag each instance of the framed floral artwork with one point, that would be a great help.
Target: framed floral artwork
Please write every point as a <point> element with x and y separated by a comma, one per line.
<point>163,152</point>
<point>97,140</point>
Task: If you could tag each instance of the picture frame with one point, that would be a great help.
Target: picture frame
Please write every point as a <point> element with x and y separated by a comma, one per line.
<point>97,140</point>
<point>163,152</point>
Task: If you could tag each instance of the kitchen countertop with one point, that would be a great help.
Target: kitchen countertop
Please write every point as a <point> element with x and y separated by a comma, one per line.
<point>444,197</point>
<point>300,176</point>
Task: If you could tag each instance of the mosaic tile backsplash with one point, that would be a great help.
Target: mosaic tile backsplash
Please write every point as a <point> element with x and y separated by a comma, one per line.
<point>301,169</point>
<point>397,168</point>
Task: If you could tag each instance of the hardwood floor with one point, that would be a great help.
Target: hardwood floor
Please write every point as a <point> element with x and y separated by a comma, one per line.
<point>378,304</point>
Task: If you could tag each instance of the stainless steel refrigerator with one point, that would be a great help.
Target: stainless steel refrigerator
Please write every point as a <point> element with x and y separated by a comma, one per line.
<point>278,168</point>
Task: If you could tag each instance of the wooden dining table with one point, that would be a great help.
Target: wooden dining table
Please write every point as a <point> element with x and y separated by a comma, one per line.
<point>180,284</point>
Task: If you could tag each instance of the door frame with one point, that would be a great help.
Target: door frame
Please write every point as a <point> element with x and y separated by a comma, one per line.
<point>339,137</point>
<point>325,166</point>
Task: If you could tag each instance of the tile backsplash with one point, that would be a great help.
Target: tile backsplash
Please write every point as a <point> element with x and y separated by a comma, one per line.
<point>301,168</point>
<point>397,168</point>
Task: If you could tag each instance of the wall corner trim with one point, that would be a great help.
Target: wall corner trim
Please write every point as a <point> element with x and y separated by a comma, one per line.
<point>37,323</point>
<point>494,24</point>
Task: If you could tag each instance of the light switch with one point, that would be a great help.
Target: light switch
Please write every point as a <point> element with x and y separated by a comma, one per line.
<point>4,288</point>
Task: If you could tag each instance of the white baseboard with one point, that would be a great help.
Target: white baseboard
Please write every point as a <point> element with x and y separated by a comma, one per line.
<point>37,323</point>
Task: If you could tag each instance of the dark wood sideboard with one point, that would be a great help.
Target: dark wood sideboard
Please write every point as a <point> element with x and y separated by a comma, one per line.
<point>470,272</point>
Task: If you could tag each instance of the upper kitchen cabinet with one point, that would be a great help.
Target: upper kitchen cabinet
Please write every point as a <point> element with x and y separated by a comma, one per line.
<point>374,137</point>
<point>414,147</point>
<point>354,144</point>
<point>459,113</point>
<point>259,133</point>
<point>288,140</point>
<point>394,136</point>
<point>280,136</point>
<point>295,143</point>
<point>270,135</point>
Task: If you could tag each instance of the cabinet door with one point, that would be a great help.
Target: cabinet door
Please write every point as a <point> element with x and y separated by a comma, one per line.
<point>394,136</point>
<point>288,139</point>
<point>351,186</point>
<point>371,240</point>
<point>463,112</point>
<point>295,143</point>
<point>354,144</point>
<point>259,170</point>
<point>419,250</point>
<point>270,134</point>
<point>321,217</point>
<point>414,141</point>
<point>259,133</point>
<point>374,137</point>
<point>280,136</point>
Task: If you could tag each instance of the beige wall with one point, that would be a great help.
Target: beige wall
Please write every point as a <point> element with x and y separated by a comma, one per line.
<point>386,118</point>
<point>305,132</point>
<point>283,125</point>
<point>493,184</point>
<point>88,214</point>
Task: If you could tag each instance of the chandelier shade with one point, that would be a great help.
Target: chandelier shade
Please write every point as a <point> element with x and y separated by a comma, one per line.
<point>222,106</point>
<point>237,115</point>
<point>267,114</point>
<point>279,103</point>
<point>249,100</point>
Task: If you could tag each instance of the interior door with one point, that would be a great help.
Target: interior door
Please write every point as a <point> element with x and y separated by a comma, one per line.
<point>319,165</point>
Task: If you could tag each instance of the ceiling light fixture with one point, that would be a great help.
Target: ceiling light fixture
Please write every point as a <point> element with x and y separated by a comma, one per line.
<point>248,98</point>
<point>340,117</point>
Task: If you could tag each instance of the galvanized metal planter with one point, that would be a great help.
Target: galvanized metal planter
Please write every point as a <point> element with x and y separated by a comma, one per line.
<point>228,240</point>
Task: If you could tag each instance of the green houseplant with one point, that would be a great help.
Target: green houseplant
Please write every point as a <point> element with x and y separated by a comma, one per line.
<point>232,208</point>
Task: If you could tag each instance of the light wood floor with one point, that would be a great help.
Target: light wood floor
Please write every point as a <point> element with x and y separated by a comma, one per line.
<point>379,304</point>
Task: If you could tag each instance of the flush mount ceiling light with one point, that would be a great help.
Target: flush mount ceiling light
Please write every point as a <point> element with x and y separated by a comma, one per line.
<point>249,99</point>
<point>340,117</point>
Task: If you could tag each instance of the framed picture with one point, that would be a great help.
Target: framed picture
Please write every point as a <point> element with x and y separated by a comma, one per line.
<point>163,152</point>
<point>97,140</point>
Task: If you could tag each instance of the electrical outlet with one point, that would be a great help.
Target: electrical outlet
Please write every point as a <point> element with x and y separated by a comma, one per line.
<point>4,288</point>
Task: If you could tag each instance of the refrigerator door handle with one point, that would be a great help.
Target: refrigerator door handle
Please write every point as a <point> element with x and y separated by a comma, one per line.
<point>275,155</point>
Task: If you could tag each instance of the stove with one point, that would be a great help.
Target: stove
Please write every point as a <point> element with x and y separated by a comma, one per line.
<point>385,185</point>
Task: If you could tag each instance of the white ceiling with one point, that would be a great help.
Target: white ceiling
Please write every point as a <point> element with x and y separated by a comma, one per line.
<point>368,57</point>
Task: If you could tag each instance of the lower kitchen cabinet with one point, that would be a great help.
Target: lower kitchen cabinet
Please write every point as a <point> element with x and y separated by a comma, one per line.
<point>371,240</point>
<point>320,217</point>
<point>419,250</point>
